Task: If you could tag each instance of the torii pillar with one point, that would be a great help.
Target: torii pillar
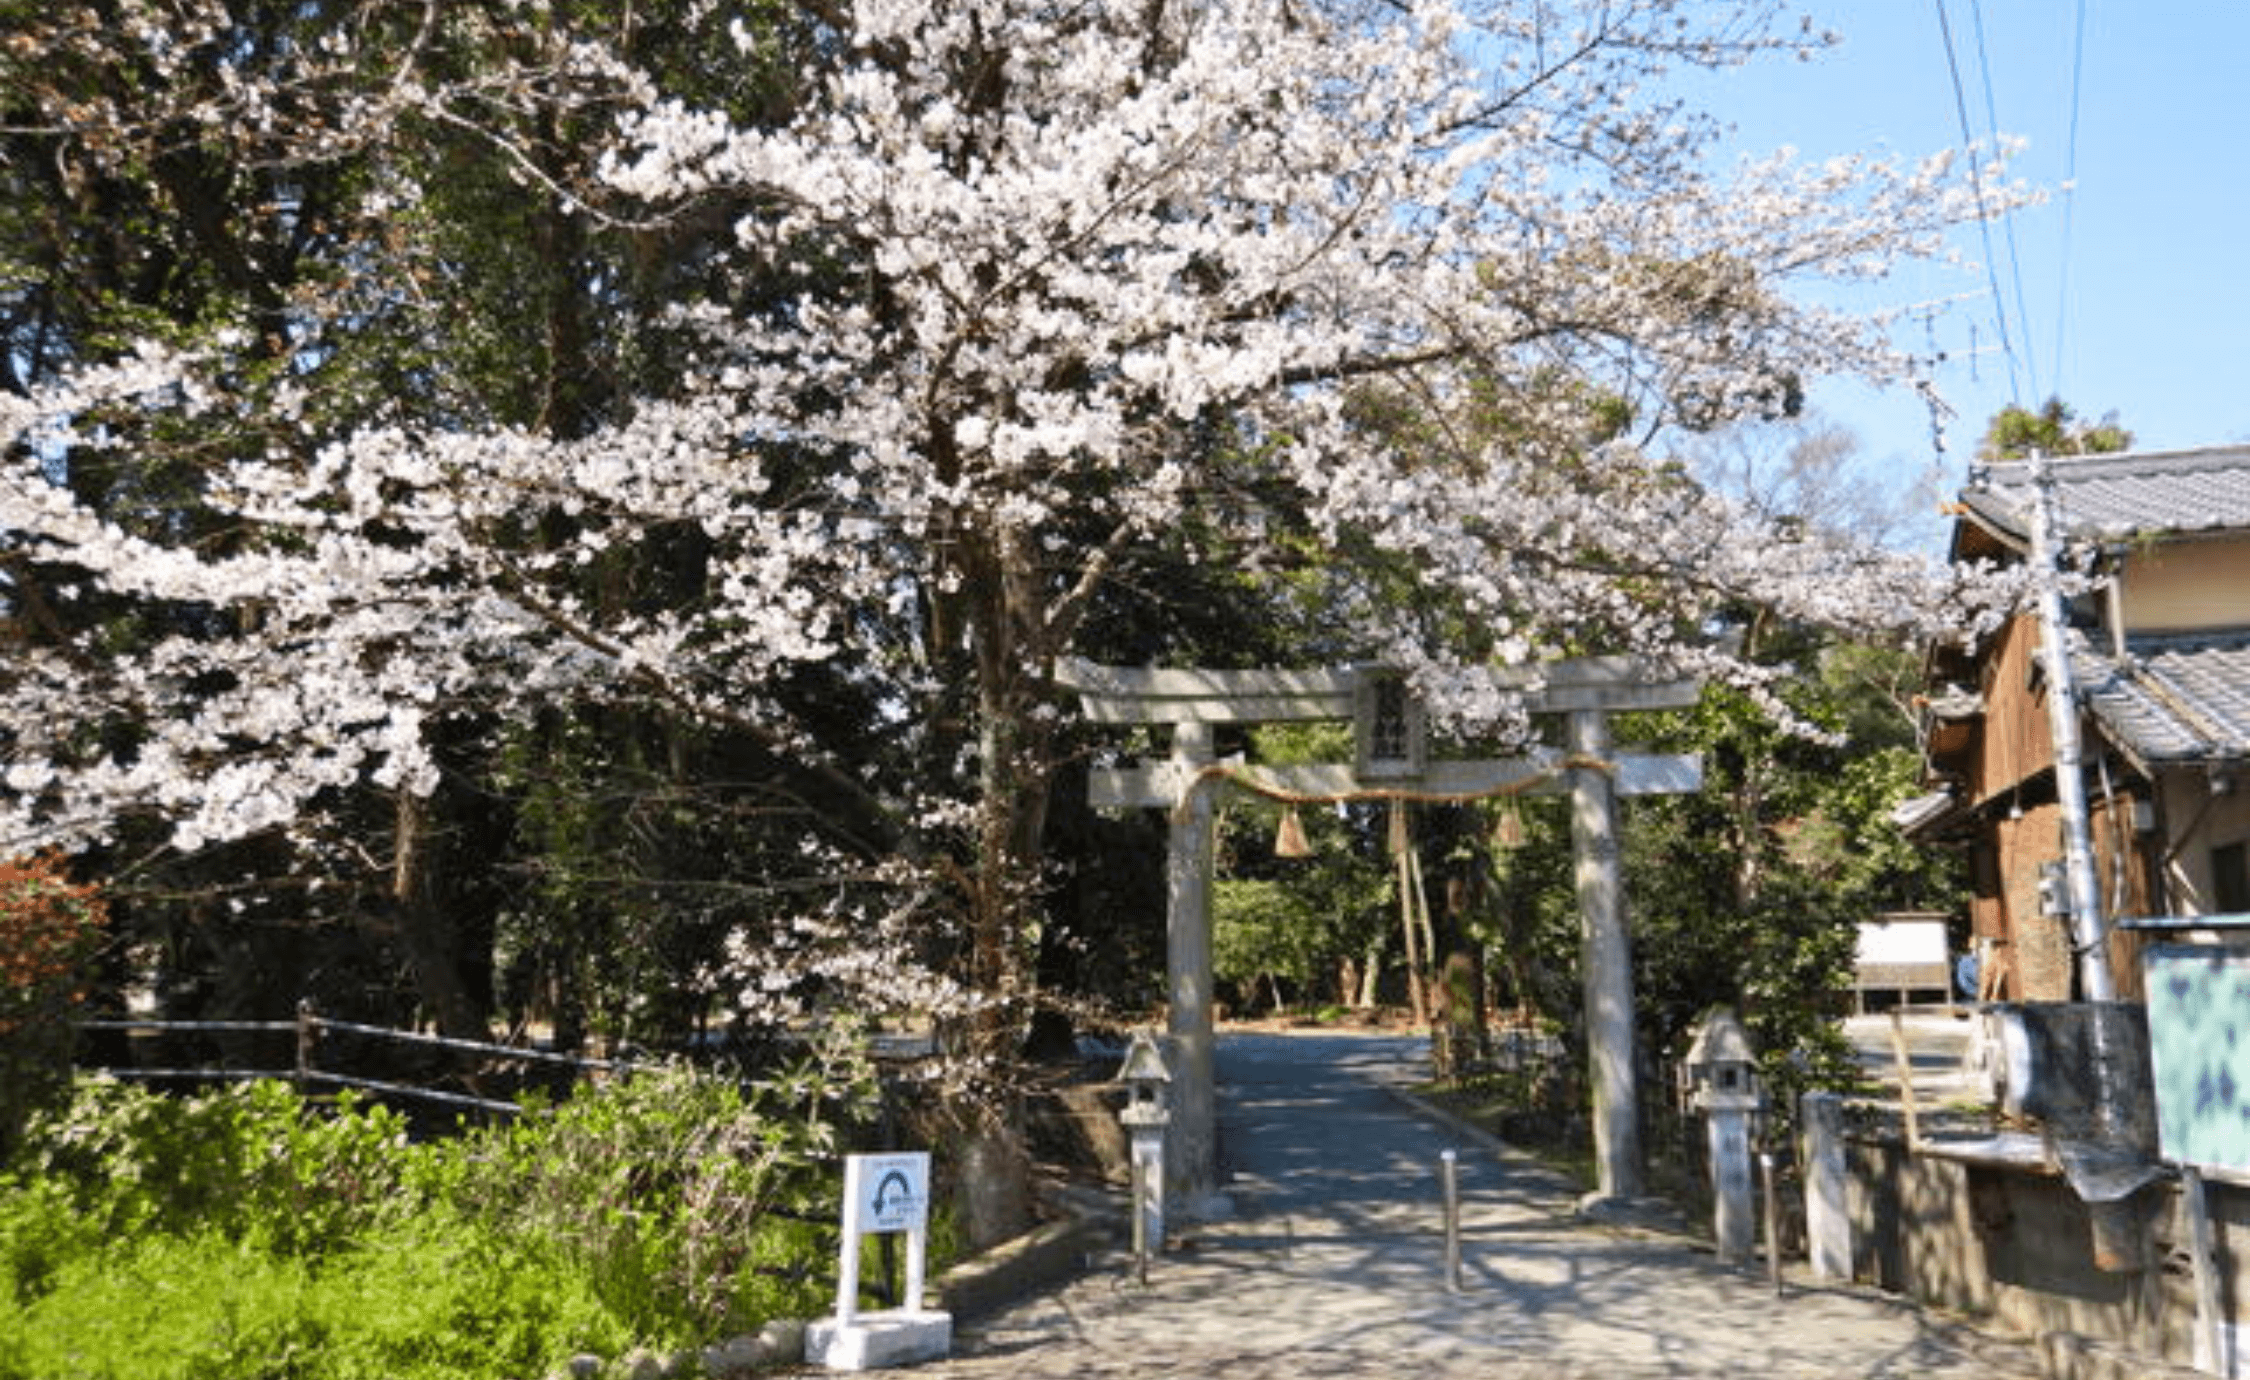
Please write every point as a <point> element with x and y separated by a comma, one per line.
<point>1191,1148</point>
<point>1605,962</point>
<point>1190,702</point>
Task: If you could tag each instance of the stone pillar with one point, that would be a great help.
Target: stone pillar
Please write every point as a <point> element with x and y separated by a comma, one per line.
<point>1148,1193</point>
<point>1828,1215</point>
<point>1191,1147</point>
<point>1606,956</point>
<point>1734,1214</point>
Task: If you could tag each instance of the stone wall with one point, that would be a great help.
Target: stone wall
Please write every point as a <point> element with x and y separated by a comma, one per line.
<point>2018,1247</point>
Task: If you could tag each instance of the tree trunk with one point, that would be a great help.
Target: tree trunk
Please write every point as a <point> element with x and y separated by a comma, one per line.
<point>423,930</point>
<point>1014,763</point>
<point>1371,977</point>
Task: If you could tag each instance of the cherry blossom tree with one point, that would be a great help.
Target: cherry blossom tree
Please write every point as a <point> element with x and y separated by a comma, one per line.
<point>1013,298</point>
<point>356,212</point>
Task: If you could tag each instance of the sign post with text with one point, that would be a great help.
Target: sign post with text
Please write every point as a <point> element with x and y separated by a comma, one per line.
<point>882,1194</point>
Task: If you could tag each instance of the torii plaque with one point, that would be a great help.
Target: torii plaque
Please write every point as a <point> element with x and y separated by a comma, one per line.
<point>1588,689</point>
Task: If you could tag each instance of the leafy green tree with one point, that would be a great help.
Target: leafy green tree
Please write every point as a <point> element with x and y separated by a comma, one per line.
<point>2054,428</point>
<point>1749,892</point>
<point>1320,923</point>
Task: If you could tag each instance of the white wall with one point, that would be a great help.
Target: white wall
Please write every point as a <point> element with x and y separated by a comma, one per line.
<point>2188,586</point>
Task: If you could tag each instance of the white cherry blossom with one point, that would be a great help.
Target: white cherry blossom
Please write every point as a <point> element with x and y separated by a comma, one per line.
<point>1141,223</point>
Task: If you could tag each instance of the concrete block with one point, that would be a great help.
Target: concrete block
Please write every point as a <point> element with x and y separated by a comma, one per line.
<point>736,1356</point>
<point>1015,1268</point>
<point>782,1342</point>
<point>877,1341</point>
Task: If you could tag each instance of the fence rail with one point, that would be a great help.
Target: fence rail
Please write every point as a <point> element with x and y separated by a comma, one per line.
<point>308,1028</point>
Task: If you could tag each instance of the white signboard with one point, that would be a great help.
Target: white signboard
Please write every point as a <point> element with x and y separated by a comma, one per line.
<point>892,1192</point>
<point>882,1193</point>
<point>1902,942</point>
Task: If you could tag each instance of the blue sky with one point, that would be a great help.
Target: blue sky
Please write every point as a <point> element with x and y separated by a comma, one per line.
<point>2125,294</point>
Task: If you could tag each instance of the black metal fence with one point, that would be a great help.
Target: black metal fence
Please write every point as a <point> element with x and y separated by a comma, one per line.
<point>311,1075</point>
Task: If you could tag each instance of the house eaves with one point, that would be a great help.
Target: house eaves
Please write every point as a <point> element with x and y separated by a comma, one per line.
<point>2112,498</point>
<point>2172,701</point>
<point>1929,818</point>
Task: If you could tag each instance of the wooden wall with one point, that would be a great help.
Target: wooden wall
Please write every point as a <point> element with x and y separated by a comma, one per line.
<point>2035,949</point>
<point>2013,744</point>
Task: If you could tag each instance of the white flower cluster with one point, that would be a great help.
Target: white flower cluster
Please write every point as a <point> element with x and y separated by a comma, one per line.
<point>1081,241</point>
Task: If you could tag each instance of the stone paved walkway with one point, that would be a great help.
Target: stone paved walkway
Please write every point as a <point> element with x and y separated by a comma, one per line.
<point>1332,1267</point>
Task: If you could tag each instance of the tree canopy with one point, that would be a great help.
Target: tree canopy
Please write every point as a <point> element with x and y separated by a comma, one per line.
<point>2053,428</point>
<point>816,380</point>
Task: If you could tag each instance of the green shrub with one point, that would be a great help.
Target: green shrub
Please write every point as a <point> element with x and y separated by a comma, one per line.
<point>248,1158</point>
<point>663,1187</point>
<point>245,1235</point>
<point>433,1298</point>
<point>163,1307</point>
<point>41,1232</point>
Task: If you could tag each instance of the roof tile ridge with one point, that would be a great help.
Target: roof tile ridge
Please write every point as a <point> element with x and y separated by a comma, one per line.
<point>2113,464</point>
<point>2141,645</point>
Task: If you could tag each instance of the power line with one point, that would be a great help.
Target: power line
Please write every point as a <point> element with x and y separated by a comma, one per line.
<point>2070,190</point>
<point>2008,227</point>
<point>1984,210</point>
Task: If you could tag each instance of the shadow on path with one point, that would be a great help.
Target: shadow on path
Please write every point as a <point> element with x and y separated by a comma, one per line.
<point>1333,1266</point>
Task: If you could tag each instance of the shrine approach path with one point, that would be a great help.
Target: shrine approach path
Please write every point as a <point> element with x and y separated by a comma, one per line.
<point>1333,1265</point>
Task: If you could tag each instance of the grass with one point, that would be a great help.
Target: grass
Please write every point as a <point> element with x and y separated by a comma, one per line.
<point>243,1235</point>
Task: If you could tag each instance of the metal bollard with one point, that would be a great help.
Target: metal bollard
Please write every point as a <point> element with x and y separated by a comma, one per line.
<point>1449,1178</point>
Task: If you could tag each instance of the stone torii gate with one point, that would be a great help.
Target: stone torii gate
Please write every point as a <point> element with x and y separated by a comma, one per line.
<point>1391,762</point>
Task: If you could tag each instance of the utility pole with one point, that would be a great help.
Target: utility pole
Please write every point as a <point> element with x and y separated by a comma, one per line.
<point>2089,933</point>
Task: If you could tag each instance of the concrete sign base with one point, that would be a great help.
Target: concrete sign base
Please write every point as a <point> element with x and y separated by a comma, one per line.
<point>876,1341</point>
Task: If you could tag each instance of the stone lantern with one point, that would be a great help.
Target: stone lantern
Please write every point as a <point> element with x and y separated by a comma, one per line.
<point>1722,1082</point>
<point>1145,1116</point>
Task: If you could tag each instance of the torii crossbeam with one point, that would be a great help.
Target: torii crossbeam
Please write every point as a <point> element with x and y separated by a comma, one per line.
<point>1186,785</point>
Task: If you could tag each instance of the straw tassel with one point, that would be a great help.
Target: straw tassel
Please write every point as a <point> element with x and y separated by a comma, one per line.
<point>1289,840</point>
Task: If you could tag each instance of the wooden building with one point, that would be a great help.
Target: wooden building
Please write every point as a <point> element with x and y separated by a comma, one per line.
<point>2159,652</point>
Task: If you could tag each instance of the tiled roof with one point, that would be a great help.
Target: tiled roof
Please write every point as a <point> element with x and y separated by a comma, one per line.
<point>2173,699</point>
<point>2119,496</point>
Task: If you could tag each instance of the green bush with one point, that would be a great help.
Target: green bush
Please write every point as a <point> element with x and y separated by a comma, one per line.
<point>663,1186</point>
<point>248,1158</point>
<point>428,1299</point>
<point>244,1235</point>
